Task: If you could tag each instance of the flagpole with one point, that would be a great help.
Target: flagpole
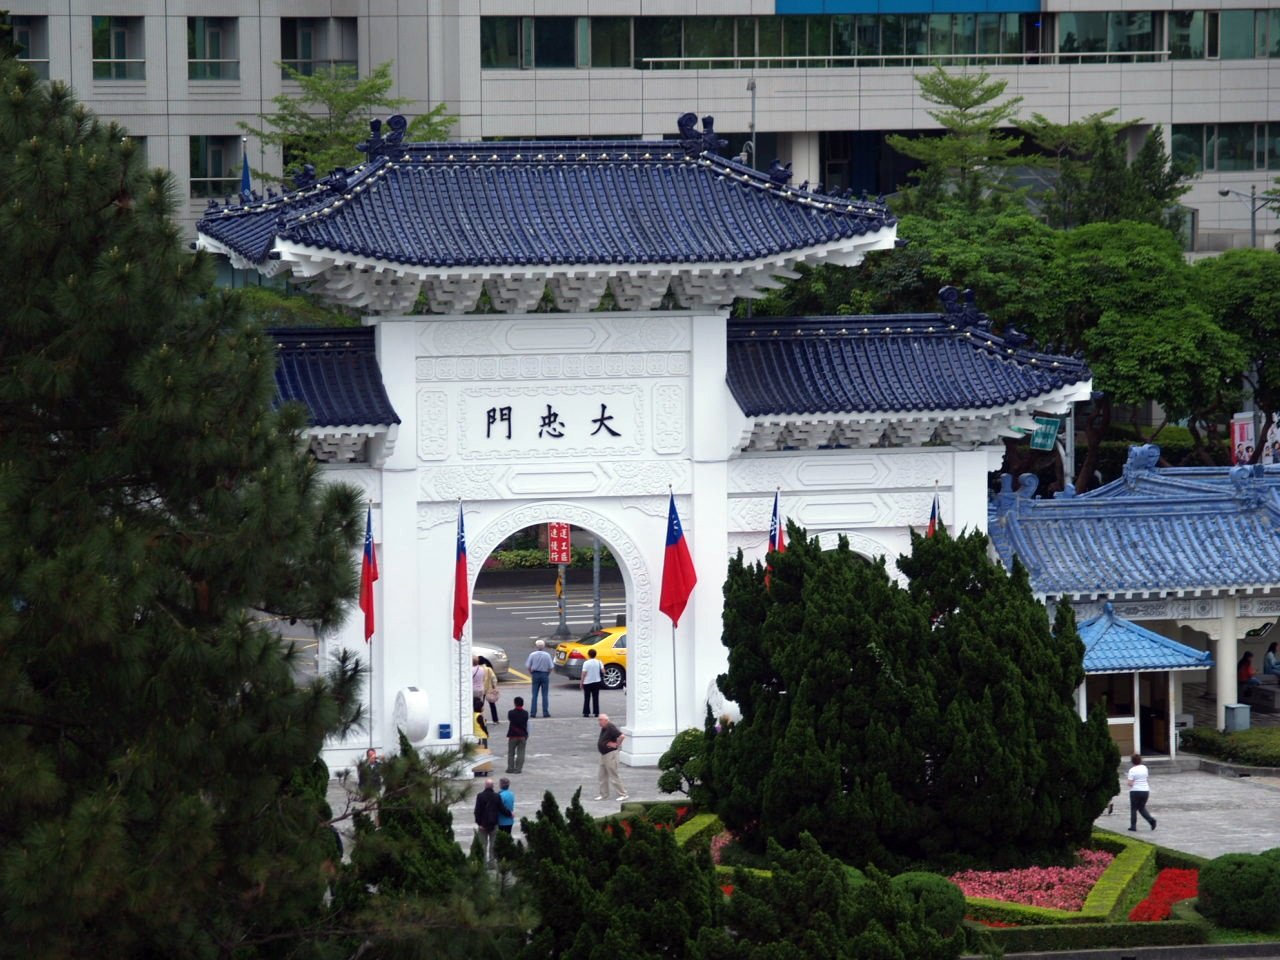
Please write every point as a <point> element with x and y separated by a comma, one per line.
<point>675,691</point>
<point>369,507</point>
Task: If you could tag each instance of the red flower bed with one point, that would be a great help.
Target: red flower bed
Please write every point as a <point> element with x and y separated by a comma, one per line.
<point>727,888</point>
<point>1170,887</point>
<point>1063,888</point>
<point>991,923</point>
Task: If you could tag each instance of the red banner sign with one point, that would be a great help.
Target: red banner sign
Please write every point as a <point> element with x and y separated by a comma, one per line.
<point>558,543</point>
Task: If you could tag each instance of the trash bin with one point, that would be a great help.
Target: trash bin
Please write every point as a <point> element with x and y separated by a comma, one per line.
<point>1237,717</point>
<point>446,730</point>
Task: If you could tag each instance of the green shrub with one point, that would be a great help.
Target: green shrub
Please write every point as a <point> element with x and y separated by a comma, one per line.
<point>663,813</point>
<point>1241,890</point>
<point>1256,747</point>
<point>941,902</point>
<point>1094,936</point>
<point>699,829</point>
<point>683,764</point>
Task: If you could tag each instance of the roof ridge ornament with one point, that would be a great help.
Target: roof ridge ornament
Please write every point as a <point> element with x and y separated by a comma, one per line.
<point>1142,459</point>
<point>377,144</point>
<point>963,309</point>
<point>695,142</point>
<point>779,173</point>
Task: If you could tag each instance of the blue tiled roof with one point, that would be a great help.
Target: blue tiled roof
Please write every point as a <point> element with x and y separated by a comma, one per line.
<point>449,205</point>
<point>334,373</point>
<point>1153,531</point>
<point>874,364</point>
<point>1114,644</point>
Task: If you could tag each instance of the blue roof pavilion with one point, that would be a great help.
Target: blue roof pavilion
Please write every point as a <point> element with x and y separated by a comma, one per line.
<point>1115,645</point>
<point>448,219</point>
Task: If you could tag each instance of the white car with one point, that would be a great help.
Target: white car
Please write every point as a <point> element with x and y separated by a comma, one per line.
<point>496,656</point>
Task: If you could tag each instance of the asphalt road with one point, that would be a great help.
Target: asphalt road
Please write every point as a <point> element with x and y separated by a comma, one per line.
<point>515,617</point>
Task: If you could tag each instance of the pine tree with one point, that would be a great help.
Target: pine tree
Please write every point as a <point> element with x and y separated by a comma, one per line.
<point>160,783</point>
<point>933,724</point>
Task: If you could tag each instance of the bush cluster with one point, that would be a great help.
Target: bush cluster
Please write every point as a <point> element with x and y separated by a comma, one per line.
<point>1241,890</point>
<point>1256,747</point>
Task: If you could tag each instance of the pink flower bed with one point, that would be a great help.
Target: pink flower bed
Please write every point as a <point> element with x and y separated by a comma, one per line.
<point>1063,888</point>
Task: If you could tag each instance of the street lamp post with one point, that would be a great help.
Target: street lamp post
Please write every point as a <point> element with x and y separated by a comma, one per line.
<point>1251,198</point>
<point>751,88</point>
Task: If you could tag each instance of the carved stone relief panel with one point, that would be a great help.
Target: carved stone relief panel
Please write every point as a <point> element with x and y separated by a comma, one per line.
<point>670,414</point>
<point>433,425</point>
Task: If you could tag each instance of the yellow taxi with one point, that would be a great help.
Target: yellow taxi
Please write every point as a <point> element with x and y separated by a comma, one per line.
<point>610,645</point>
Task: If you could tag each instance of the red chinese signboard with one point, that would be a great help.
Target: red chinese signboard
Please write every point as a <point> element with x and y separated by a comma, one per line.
<point>558,543</point>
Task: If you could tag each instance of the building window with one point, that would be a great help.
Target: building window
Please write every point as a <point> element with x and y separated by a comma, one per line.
<point>31,41</point>
<point>1227,147</point>
<point>1186,35</point>
<point>1268,155</point>
<point>212,53</point>
<point>1236,39</point>
<point>311,44</point>
<point>611,42</point>
<point>657,37</point>
<point>554,42</point>
<point>500,43</point>
<point>215,166</point>
<point>1082,33</point>
<point>118,52</point>
<point>709,37</point>
<point>1234,145</point>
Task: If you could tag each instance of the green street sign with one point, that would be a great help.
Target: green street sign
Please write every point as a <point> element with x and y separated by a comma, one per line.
<point>1046,433</point>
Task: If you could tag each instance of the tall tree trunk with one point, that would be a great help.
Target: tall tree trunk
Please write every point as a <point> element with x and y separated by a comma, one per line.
<point>1095,428</point>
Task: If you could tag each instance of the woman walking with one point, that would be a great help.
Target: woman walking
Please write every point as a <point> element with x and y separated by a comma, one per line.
<point>1139,791</point>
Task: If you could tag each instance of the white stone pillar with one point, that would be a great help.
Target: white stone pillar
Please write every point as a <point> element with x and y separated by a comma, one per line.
<point>1225,659</point>
<point>801,149</point>
<point>968,494</point>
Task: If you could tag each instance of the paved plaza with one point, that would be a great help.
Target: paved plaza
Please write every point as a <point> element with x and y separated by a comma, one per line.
<point>1198,812</point>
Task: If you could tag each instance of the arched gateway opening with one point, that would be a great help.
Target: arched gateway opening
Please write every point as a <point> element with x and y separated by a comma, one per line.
<point>636,578</point>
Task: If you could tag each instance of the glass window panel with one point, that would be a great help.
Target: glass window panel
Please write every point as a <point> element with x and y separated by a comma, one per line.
<point>553,42</point>
<point>842,35</point>
<point>1274,33</point>
<point>611,41</point>
<point>1235,146</point>
<point>769,38</point>
<point>657,37</point>
<point>988,33</point>
<point>893,36</point>
<point>868,37</point>
<point>1011,38</point>
<point>1272,146</point>
<point>795,39</point>
<point>915,34</point>
<point>964,28</point>
<point>1260,33</point>
<point>746,37</point>
<point>1186,35</point>
<point>1236,33</point>
<point>708,37</point>
<point>1186,143</point>
<point>1082,32</point>
<point>1211,34</point>
<point>582,41</point>
<point>499,42</point>
<point>939,34</point>
<point>1130,33</point>
<point>819,38</point>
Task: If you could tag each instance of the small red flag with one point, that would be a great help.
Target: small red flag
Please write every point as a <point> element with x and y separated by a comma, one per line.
<point>934,517</point>
<point>777,537</point>
<point>678,576</point>
<point>368,574</point>
<point>461,599</point>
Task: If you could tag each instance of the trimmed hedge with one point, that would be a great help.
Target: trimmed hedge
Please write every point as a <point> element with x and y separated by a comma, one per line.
<point>699,828</point>
<point>1256,747</point>
<point>1093,936</point>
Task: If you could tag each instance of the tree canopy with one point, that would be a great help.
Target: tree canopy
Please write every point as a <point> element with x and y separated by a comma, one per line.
<point>160,776</point>
<point>890,723</point>
<point>323,122</point>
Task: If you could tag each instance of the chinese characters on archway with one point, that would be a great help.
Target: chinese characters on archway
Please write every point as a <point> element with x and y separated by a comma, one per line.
<point>550,424</point>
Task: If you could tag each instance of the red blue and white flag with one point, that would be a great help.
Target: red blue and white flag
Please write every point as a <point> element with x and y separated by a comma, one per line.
<point>368,575</point>
<point>777,537</point>
<point>461,599</point>
<point>935,517</point>
<point>678,576</point>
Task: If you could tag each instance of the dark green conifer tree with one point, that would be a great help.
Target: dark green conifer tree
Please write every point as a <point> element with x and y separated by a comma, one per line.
<point>933,724</point>
<point>159,776</point>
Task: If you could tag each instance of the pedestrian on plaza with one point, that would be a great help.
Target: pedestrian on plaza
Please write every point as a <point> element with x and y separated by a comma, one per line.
<point>1270,662</point>
<point>477,679</point>
<point>506,819</point>
<point>488,813</point>
<point>491,691</point>
<point>1139,792</point>
<point>539,666</point>
<point>478,726</point>
<point>1245,674</point>
<point>608,744</point>
<point>591,680</point>
<point>517,736</point>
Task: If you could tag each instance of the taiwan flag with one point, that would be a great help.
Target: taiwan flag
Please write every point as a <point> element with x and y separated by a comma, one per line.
<point>777,537</point>
<point>678,576</point>
<point>935,517</point>
<point>368,574</point>
<point>461,601</point>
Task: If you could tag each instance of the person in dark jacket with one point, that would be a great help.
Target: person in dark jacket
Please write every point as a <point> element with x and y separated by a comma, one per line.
<point>489,810</point>
<point>517,736</point>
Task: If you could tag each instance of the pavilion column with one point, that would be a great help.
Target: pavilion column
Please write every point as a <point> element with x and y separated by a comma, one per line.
<point>1225,659</point>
